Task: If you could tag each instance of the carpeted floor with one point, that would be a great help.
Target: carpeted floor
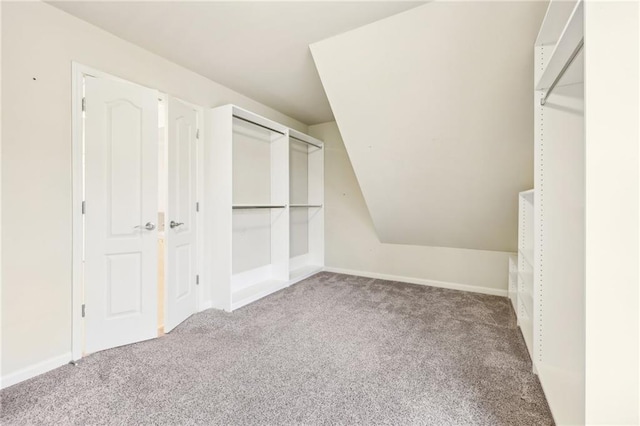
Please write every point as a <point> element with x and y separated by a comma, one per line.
<point>333,349</point>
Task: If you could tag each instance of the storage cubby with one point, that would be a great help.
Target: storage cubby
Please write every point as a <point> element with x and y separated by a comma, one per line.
<point>513,282</point>
<point>258,241</point>
<point>306,209</point>
<point>524,306</point>
<point>259,236</point>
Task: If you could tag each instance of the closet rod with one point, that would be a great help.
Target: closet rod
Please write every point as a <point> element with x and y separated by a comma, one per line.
<point>306,205</point>
<point>562,71</point>
<point>257,124</point>
<point>258,206</point>
<point>308,143</point>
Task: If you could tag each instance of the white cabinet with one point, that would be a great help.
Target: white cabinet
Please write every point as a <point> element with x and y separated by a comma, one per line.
<point>252,228</point>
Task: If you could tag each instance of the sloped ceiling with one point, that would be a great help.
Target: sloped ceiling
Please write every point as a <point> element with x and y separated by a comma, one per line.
<point>435,106</point>
<point>260,49</point>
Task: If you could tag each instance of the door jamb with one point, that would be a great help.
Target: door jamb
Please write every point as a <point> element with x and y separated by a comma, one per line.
<point>78,72</point>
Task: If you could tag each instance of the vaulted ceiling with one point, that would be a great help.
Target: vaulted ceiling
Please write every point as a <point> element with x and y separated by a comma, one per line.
<point>435,106</point>
<point>260,49</point>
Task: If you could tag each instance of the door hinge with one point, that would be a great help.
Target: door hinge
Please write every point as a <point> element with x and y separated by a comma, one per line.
<point>197,133</point>
<point>83,310</point>
<point>84,207</point>
<point>197,206</point>
<point>84,104</point>
<point>197,279</point>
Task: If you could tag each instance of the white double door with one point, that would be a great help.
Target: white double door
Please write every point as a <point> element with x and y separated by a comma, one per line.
<point>181,232</point>
<point>121,213</point>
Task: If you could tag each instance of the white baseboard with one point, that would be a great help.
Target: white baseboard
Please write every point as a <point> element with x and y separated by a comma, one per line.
<point>35,370</point>
<point>421,281</point>
<point>206,304</point>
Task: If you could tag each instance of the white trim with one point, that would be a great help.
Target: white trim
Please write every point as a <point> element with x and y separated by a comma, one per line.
<point>205,304</point>
<point>163,181</point>
<point>304,272</point>
<point>35,370</point>
<point>202,303</point>
<point>421,281</point>
<point>78,72</point>
<point>272,287</point>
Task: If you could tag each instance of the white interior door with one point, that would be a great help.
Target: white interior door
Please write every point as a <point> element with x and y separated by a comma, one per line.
<point>121,241</point>
<point>181,229</point>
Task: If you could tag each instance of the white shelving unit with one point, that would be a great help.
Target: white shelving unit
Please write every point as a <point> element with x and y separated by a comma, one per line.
<point>586,211</point>
<point>513,282</point>
<point>306,195</point>
<point>567,46</point>
<point>559,217</point>
<point>524,294</point>
<point>251,226</point>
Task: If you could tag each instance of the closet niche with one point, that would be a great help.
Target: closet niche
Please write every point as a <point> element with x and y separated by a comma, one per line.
<point>263,206</point>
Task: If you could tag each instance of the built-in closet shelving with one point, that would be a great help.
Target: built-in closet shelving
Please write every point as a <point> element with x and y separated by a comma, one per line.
<point>524,297</point>
<point>306,212</point>
<point>254,228</point>
<point>559,215</point>
<point>513,282</point>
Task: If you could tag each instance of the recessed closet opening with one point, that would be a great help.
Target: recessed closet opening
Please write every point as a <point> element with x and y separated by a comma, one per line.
<point>135,169</point>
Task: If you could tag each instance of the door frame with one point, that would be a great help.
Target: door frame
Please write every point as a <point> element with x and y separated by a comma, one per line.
<point>78,72</point>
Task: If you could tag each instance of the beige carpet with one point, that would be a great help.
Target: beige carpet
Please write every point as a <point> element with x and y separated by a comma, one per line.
<point>333,349</point>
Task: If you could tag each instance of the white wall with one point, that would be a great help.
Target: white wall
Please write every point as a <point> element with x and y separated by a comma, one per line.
<point>612,114</point>
<point>435,107</point>
<point>39,43</point>
<point>353,246</point>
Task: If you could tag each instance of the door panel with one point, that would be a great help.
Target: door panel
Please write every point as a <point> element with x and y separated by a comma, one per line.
<point>124,166</point>
<point>181,295</point>
<point>121,182</point>
<point>124,285</point>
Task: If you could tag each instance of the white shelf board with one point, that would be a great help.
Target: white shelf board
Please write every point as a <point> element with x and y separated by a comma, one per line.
<point>304,272</point>
<point>258,119</point>
<point>570,39</point>
<point>244,296</point>
<point>306,138</point>
<point>555,19</point>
